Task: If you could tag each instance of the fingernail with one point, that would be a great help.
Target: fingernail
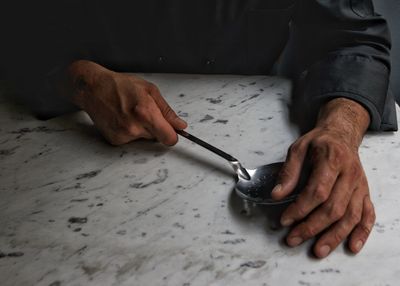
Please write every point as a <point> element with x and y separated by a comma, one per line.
<point>324,250</point>
<point>294,241</point>
<point>286,221</point>
<point>359,245</point>
<point>277,189</point>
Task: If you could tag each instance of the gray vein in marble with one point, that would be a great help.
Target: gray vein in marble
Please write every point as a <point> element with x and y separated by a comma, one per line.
<point>207,117</point>
<point>162,175</point>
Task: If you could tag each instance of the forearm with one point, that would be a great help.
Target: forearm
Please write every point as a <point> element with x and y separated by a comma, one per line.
<point>350,58</point>
<point>346,117</point>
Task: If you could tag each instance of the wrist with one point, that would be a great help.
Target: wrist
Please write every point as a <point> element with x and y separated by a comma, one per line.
<point>347,118</point>
<point>83,76</point>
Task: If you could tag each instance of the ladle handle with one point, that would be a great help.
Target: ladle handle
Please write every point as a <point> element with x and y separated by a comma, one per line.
<point>213,149</point>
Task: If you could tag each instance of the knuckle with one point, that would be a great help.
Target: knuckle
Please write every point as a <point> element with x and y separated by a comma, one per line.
<point>142,112</point>
<point>317,152</point>
<point>355,170</point>
<point>285,173</point>
<point>296,149</point>
<point>132,130</point>
<point>325,143</point>
<point>337,237</point>
<point>372,215</point>
<point>152,87</point>
<point>339,151</point>
<point>321,193</point>
<point>337,156</point>
<point>167,111</point>
<point>309,231</point>
<point>141,91</point>
<point>365,229</point>
<point>335,212</point>
<point>364,183</point>
<point>354,217</point>
<point>301,211</point>
<point>115,140</point>
<point>320,140</point>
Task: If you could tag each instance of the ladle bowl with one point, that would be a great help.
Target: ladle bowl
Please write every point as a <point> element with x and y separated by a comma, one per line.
<point>254,185</point>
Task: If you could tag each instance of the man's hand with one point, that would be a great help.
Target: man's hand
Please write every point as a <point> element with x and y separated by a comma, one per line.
<point>335,203</point>
<point>123,107</point>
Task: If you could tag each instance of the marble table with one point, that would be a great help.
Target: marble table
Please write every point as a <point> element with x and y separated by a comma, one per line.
<point>77,211</point>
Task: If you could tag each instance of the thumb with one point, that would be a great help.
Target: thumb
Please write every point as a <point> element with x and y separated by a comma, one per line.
<point>289,175</point>
<point>171,117</point>
<point>166,110</point>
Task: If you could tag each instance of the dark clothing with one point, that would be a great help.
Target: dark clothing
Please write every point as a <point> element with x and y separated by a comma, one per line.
<point>390,9</point>
<point>341,47</point>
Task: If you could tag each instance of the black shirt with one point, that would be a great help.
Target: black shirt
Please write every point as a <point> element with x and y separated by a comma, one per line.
<point>338,48</point>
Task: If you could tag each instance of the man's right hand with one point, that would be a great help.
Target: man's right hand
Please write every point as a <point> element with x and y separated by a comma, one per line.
<point>123,107</point>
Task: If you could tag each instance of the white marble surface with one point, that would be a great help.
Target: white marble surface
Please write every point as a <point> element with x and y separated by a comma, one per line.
<point>168,216</point>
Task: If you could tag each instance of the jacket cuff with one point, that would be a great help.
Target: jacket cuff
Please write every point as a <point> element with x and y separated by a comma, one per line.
<point>351,76</point>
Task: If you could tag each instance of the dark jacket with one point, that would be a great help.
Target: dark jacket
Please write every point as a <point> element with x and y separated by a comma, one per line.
<point>390,9</point>
<point>341,47</point>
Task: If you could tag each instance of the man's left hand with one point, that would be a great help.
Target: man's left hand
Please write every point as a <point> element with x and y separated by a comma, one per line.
<point>335,203</point>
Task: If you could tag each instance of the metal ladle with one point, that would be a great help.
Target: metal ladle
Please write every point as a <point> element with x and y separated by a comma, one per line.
<point>253,185</point>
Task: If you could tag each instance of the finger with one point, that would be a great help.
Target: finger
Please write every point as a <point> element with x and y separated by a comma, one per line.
<point>341,230</point>
<point>166,110</point>
<point>324,216</point>
<point>117,139</point>
<point>127,127</point>
<point>122,136</point>
<point>150,116</point>
<point>136,131</point>
<point>112,131</point>
<point>317,191</point>
<point>360,234</point>
<point>290,172</point>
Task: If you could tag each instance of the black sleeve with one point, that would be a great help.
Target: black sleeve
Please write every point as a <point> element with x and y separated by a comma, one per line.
<point>41,40</point>
<point>343,50</point>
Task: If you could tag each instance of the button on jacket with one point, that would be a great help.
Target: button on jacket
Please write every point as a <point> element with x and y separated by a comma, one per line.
<point>340,48</point>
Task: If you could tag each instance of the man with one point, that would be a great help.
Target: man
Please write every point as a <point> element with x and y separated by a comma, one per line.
<point>340,62</point>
